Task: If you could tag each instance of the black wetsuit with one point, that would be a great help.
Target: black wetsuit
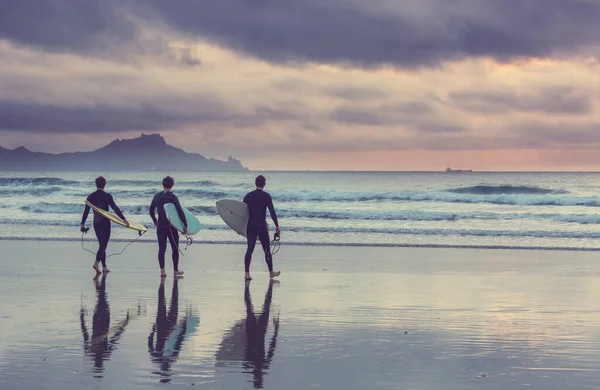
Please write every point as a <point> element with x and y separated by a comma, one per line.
<point>258,201</point>
<point>102,200</point>
<point>163,227</point>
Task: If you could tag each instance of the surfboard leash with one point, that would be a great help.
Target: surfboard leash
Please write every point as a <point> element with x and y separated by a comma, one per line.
<point>140,234</point>
<point>275,244</point>
<point>188,240</point>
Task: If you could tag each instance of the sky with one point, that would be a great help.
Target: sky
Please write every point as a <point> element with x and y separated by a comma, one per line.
<point>310,84</point>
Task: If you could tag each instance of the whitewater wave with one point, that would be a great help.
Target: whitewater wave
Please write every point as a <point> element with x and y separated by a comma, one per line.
<point>31,191</point>
<point>562,234</point>
<point>158,183</point>
<point>35,181</point>
<point>349,215</point>
<point>499,195</point>
<point>324,244</point>
<point>506,190</point>
<point>376,197</point>
<point>74,208</point>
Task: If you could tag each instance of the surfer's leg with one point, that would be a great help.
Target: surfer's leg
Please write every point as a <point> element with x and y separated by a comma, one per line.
<point>264,241</point>
<point>251,235</point>
<point>102,230</point>
<point>98,233</point>
<point>161,234</point>
<point>106,240</point>
<point>174,240</point>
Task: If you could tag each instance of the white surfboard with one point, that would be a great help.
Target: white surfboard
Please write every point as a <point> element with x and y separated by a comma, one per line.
<point>235,214</point>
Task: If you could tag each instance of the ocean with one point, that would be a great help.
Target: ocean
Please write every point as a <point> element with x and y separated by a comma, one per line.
<point>488,210</point>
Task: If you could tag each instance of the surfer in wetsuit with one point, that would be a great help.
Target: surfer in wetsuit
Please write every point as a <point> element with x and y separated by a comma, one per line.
<point>258,201</point>
<point>102,200</point>
<point>164,229</point>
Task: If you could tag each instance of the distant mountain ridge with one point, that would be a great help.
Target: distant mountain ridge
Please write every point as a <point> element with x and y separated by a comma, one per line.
<point>145,153</point>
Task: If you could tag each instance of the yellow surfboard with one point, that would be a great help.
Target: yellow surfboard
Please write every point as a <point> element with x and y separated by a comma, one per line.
<point>132,224</point>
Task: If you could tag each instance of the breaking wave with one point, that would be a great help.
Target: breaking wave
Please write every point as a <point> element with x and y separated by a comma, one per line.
<point>366,230</point>
<point>506,189</point>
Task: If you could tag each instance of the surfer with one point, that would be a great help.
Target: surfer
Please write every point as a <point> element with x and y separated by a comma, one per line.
<point>101,200</point>
<point>258,201</point>
<point>163,226</point>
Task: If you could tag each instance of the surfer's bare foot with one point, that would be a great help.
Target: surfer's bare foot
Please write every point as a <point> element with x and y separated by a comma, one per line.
<point>178,273</point>
<point>95,266</point>
<point>106,270</point>
<point>162,273</point>
<point>275,274</point>
<point>247,277</point>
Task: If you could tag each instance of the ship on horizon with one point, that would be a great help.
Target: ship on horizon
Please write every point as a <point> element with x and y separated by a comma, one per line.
<point>458,170</point>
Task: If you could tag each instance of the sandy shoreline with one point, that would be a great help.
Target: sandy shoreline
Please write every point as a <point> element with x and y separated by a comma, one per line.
<point>151,240</point>
<point>340,318</point>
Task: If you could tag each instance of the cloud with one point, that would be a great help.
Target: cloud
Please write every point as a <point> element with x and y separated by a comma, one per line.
<point>104,29</point>
<point>100,118</point>
<point>306,112</point>
<point>374,33</point>
<point>415,115</point>
<point>553,101</point>
<point>345,32</point>
<point>351,93</point>
<point>65,25</point>
<point>44,118</point>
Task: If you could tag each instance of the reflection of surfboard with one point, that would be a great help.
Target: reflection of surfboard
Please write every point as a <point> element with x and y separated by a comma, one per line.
<point>191,324</point>
<point>192,222</point>
<point>235,214</point>
<point>132,224</point>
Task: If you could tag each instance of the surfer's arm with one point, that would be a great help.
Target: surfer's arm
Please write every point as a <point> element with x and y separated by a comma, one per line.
<point>272,211</point>
<point>86,212</point>
<point>116,209</point>
<point>152,208</point>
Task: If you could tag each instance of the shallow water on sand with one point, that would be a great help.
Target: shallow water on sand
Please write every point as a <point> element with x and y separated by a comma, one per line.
<point>341,318</point>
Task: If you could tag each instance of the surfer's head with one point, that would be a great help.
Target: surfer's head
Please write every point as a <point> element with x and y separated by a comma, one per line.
<point>168,183</point>
<point>100,182</point>
<point>260,181</point>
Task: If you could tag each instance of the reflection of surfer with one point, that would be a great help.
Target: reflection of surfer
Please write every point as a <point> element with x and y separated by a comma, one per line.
<point>101,345</point>
<point>253,330</point>
<point>169,333</point>
<point>102,200</point>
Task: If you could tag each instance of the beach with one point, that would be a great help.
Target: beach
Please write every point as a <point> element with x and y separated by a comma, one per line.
<point>339,318</point>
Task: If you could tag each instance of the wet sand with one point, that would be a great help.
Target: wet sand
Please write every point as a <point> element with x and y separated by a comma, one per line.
<point>340,318</point>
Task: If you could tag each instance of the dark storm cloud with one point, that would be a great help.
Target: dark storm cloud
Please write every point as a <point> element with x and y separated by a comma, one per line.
<point>342,32</point>
<point>45,118</point>
<point>336,31</point>
<point>558,100</point>
<point>64,25</point>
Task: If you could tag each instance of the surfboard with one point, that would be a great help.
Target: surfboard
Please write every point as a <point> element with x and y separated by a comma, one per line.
<point>235,214</point>
<point>132,224</point>
<point>192,222</point>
